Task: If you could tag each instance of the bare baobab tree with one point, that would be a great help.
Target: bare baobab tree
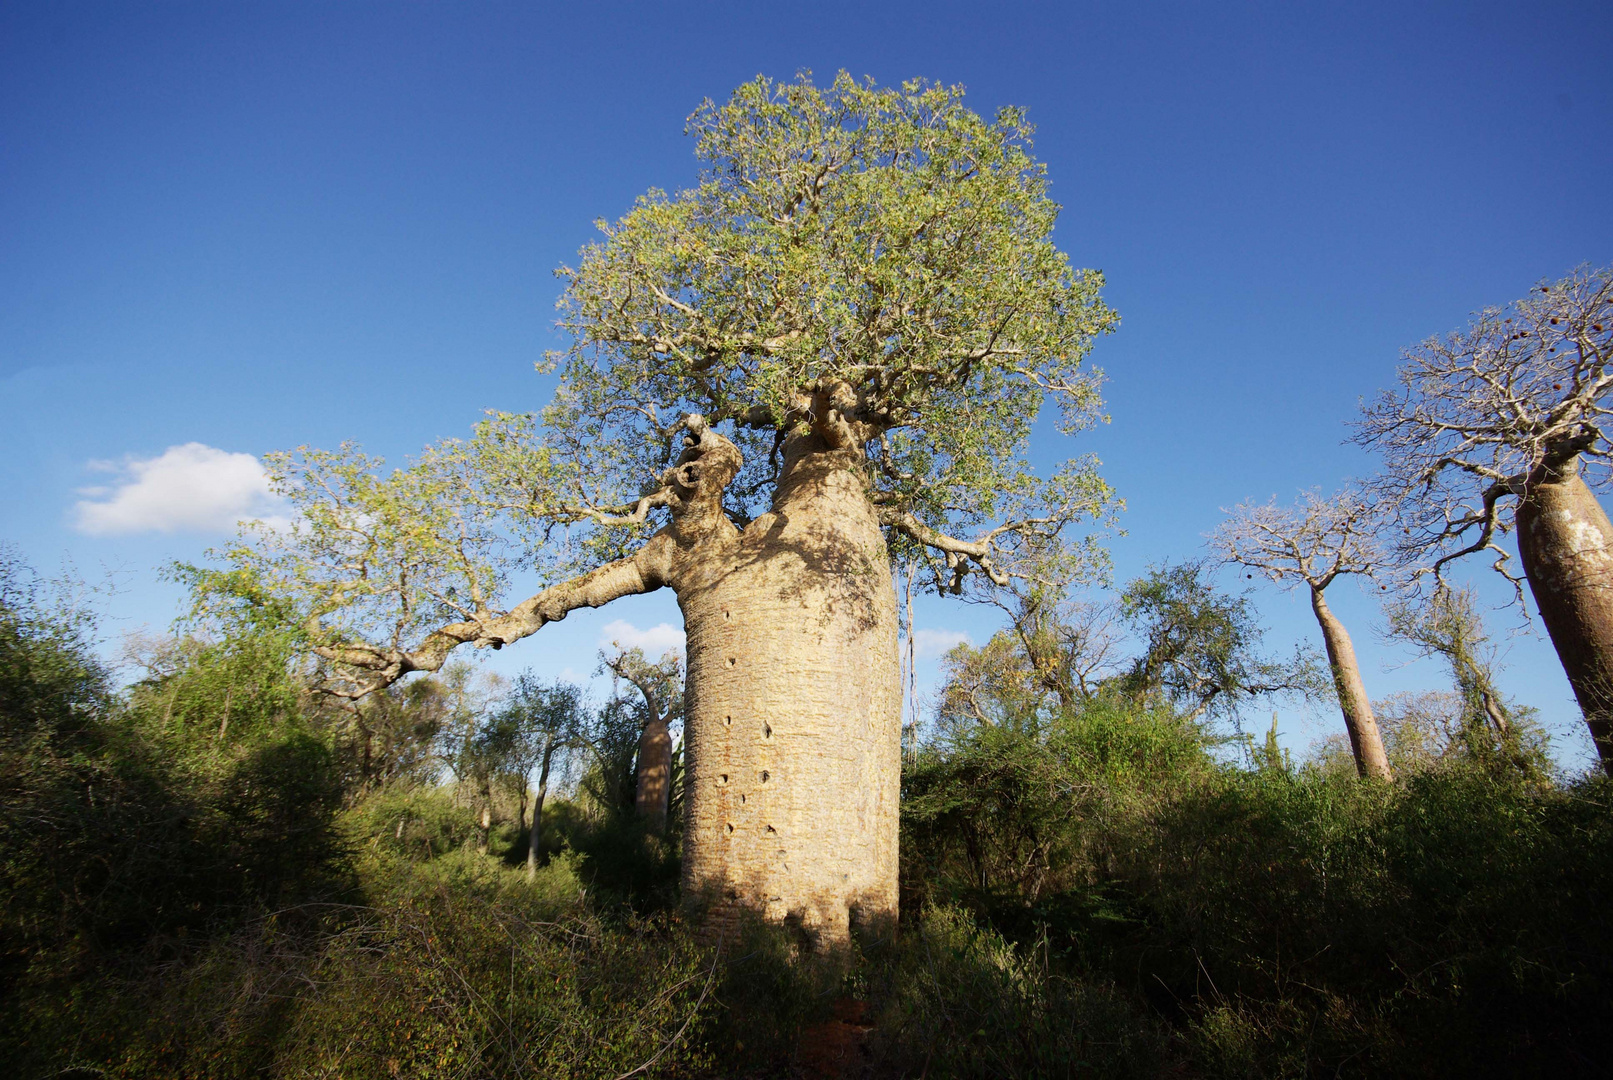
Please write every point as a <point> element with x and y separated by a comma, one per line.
<point>828,354</point>
<point>1498,428</point>
<point>1314,543</point>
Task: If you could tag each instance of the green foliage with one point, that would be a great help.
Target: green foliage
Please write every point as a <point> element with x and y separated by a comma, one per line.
<point>1287,921</point>
<point>999,819</point>
<point>961,1000</point>
<point>878,258</point>
<point>412,822</point>
<point>454,983</point>
<point>190,891</point>
<point>132,828</point>
<point>1486,727</point>
<point>1201,651</point>
<point>887,239</point>
<point>394,735</point>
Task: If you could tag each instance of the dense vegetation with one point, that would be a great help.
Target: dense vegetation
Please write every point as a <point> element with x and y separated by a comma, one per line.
<point>214,874</point>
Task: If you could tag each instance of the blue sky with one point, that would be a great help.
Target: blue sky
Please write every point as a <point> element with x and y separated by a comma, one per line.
<point>253,226</point>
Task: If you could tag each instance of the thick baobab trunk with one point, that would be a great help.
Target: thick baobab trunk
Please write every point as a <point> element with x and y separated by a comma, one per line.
<point>1566,544</point>
<point>654,781</point>
<point>1366,742</point>
<point>792,694</point>
<point>793,720</point>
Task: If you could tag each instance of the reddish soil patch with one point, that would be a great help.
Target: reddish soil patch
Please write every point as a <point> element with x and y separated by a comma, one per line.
<point>837,1049</point>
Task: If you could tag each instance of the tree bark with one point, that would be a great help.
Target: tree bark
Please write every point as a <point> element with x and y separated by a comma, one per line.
<point>1366,742</point>
<point>793,701</point>
<point>1565,542</point>
<point>536,834</point>
<point>654,782</point>
<point>792,693</point>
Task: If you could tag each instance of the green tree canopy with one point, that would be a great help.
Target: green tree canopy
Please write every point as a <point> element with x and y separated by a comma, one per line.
<point>871,266</point>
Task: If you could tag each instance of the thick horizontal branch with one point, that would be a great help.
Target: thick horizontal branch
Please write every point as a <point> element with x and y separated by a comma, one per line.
<point>381,667</point>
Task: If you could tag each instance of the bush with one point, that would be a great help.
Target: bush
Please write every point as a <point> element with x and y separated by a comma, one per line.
<point>960,1000</point>
<point>1287,921</point>
<point>455,982</point>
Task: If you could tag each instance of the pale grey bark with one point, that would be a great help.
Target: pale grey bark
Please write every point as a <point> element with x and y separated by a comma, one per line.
<point>550,747</point>
<point>1366,741</point>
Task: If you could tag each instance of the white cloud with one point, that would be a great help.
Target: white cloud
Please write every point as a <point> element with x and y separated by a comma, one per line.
<point>658,640</point>
<point>189,488</point>
<point>937,642</point>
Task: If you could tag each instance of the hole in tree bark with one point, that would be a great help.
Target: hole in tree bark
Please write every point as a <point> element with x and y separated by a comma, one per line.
<point>728,719</point>
<point>767,731</point>
<point>764,776</point>
<point>769,829</point>
<point>723,779</point>
<point>742,800</point>
<point>732,661</point>
<point>730,826</point>
<point>726,616</point>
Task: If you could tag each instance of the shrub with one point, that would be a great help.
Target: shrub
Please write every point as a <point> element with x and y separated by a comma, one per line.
<point>960,1000</point>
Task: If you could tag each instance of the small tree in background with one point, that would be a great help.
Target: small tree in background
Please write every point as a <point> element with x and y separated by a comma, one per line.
<point>468,699</point>
<point>1499,427</point>
<point>1314,543</point>
<point>660,686</point>
<point>396,732</point>
<point>536,724</point>
<point>1447,624</point>
<point>1201,646</point>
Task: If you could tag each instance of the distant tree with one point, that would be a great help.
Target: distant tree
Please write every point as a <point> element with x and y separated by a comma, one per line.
<point>1201,656</point>
<point>1314,543</point>
<point>1499,427</point>
<point>468,701</point>
<point>613,734</point>
<point>660,686</point>
<point>536,724</point>
<point>994,684</point>
<point>1447,624</point>
<point>396,731</point>
<point>1201,645</point>
<point>1422,729</point>
<point>1055,654</point>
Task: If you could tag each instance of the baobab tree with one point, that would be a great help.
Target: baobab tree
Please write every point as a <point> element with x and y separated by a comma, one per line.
<point>660,684</point>
<point>1497,428</point>
<point>829,352</point>
<point>1314,543</point>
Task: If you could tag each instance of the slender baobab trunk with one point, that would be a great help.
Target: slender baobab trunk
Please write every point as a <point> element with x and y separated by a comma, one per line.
<point>794,708</point>
<point>1566,544</point>
<point>538,797</point>
<point>654,782</point>
<point>1366,742</point>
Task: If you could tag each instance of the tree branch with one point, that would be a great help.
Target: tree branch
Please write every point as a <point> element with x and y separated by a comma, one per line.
<point>642,572</point>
